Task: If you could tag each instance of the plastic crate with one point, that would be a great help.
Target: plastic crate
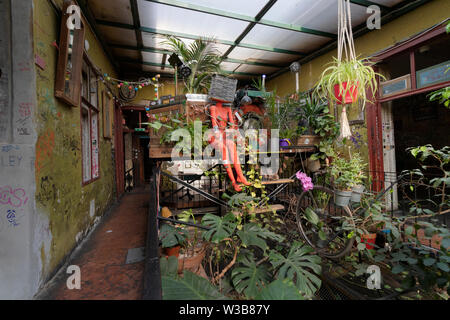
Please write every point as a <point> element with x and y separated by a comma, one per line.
<point>222,88</point>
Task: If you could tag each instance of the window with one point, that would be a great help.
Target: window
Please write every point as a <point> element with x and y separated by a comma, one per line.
<point>89,124</point>
<point>70,59</point>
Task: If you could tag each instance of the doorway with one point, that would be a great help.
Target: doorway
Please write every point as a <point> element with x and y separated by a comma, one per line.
<point>411,122</point>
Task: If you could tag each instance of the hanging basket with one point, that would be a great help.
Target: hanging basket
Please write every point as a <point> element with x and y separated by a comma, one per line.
<point>351,93</point>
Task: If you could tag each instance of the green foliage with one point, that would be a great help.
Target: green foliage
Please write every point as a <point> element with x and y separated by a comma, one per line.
<point>301,267</point>
<point>249,278</point>
<point>189,287</point>
<point>221,227</point>
<point>169,266</point>
<point>347,173</point>
<point>280,290</point>
<point>171,236</point>
<point>202,57</point>
<point>254,235</point>
<point>353,71</point>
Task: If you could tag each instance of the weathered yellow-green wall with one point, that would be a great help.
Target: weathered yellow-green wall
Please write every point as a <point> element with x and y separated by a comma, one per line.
<point>167,88</point>
<point>59,191</point>
<point>399,29</point>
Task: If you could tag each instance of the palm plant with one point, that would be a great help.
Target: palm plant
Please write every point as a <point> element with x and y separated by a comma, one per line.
<point>203,59</point>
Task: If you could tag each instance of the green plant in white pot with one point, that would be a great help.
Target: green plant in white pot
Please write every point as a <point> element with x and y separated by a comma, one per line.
<point>202,57</point>
<point>359,166</point>
<point>343,179</point>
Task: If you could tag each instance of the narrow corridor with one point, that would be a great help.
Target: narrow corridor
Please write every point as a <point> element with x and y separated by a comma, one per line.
<point>102,258</point>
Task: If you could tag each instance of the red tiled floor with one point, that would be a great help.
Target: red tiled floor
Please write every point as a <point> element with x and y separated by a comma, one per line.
<point>104,274</point>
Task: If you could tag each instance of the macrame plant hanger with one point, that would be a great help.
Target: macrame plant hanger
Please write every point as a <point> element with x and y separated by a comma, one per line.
<point>346,44</point>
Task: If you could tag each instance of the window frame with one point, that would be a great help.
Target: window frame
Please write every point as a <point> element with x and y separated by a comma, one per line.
<point>92,109</point>
<point>73,97</point>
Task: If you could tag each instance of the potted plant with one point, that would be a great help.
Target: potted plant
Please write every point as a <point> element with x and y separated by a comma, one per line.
<point>345,82</point>
<point>171,239</point>
<point>316,121</point>
<point>343,175</point>
<point>358,187</point>
<point>193,249</point>
<point>203,59</point>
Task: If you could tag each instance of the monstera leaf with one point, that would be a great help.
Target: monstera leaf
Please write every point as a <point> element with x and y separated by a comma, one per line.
<point>280,290</point>
<point>249,278</point>
<point>189,287</point>
<point>171,236</point>
<point>300,267</point>
<point>220,227</point>
<point>253,235</point>
<point>169,266</point>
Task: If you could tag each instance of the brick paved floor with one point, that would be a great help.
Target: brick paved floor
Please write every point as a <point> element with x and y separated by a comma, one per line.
<point>104,274</point>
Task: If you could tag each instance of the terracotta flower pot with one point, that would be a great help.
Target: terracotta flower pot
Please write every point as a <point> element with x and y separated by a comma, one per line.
<point>369,240</point>
<point>313,165</point>
<point>192,263</point>
<point>351,93</point>
<point>172,251</point>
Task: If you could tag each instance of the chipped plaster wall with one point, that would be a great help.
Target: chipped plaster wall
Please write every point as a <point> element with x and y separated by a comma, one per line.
<point>391,33</point>
<point>68,208</point>
<point>19,270</point>
<point>44,209</point>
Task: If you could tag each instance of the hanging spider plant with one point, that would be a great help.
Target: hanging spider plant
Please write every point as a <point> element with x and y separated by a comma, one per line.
<point>202,57</point>
<point>346,79</point>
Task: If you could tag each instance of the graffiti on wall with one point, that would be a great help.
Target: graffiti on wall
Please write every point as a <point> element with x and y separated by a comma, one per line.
<point>44,148</point>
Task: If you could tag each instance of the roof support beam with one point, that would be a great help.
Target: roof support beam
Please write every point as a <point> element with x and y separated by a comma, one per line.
<point>367,3</point>
<point>194,37</point>
<point>168,66</point>
<point>258,17</point>
<point>163,51</point>
<point>231,15</point>
<point>360,30</point>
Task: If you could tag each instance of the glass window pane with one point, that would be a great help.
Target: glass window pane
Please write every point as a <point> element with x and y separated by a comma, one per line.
<point>95,145</point>
<point>86,143</point>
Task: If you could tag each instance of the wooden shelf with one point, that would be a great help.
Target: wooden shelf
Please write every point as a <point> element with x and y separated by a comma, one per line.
<point>270,208</point>
<point>281,181</point>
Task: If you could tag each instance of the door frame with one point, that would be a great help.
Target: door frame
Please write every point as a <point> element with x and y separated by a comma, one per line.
<point>373,110</point>
<point>119,151</point>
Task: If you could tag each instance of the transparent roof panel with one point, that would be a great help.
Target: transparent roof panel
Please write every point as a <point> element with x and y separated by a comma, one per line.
<point>284,39</point>
<point>118,36</point>
<point>229,66</point>
<point>118,10</point>
<point>248,8</point>
<point>163,17</point>
<point>319,15</point>
<point>156,69</point>
<point>261,56</point>
<point>124,53</point>
<point>157,41</point>
<point>256,69</point>
<point>153,57</point>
